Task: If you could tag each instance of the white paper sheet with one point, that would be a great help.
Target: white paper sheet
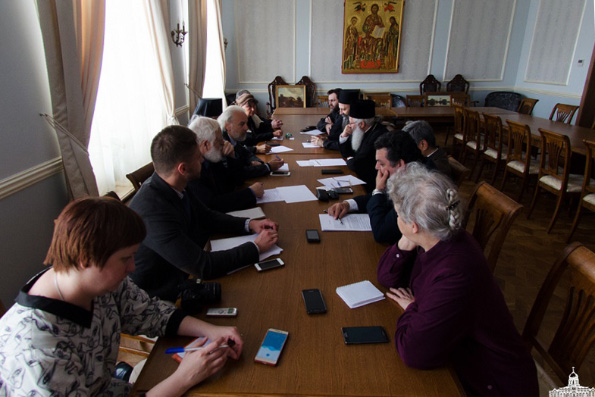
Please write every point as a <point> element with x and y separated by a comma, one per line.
<point>277,138</point>
<point>313,132</point>
<point>252,213</point>
<point>349,223</point>
<point>309,145</point>
<point>270,196</point>
<point>342,181</point>
<point>328,162</point>
<point>296,194</point>
<point>280,149</point>
<point>284,167</point>
<point>228,243</point>
<point>305,163</point>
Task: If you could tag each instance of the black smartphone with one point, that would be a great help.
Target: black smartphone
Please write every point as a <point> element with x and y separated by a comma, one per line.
<point>271,144</point>
<point>280,173</point>
<point>331,171</point>
<point>266,265</point>
<point>343,190</point>
<point>312,236</point>
<point>314,301</point>
<point>359,335</point>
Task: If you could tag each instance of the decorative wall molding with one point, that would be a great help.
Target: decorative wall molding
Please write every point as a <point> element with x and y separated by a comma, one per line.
<point>29,177</point>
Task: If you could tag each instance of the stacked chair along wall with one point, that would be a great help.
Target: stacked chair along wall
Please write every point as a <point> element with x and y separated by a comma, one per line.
<point>492,148</point>
<point>563,113</point>
<point>518,157</point>
<point>527,105</point>
<point>472,138</point>
<point>554,171</point>
<point>139,176</point>
<point>587,199</point>
<point>492,213</point>
<point>458,170</point>
<point>575,333</point>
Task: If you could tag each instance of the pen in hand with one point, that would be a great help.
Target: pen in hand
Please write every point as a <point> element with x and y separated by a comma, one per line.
<point>340,221</point>
<point>173,350</point>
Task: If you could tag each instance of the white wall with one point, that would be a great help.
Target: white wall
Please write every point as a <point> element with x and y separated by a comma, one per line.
<point>487,41</point>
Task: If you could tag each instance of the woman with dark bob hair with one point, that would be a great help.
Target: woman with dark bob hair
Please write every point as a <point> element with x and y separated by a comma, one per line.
<point>454,313</point>
<point>61,337</point>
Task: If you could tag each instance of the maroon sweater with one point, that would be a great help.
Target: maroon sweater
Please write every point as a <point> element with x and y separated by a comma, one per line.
<point>459,317</point>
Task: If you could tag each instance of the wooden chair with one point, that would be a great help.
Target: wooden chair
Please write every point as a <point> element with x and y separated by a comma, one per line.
<point>458,84</point>
<point>310,91</point>
<point>459,126</point>
<point>526,106</point>
<point>472,137</point>
<point>139,176</point>
<point>459,171</point>
<point>563,113</point>
<point>491,149</point>
<point>554,171</point>
<point>575,333</point>
<point>430,84</point>
<point>322,101</point>
<point>493,213</point>
<point>137,345</point>
<point>415,101</point>
<point>518,157</point>
<point>460,98</point>
<point>272,103</point>
<point>381,99</point>
<point>588,189</point>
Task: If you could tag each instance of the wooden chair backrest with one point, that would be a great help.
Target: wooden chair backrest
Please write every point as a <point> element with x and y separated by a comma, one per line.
<point>519,141</point>
<point>493,133</point>
<point>382,100</point>
<point>459,171</point>
<point>555,156</point>
<point>493,213</point>
<point>575,334</point>
<point>458,84</point>
<point>310,90</point>
<point>526,106</point>
<point>459,119</point>
<point>430,84</point>
<point>472,126</point>
<point>587,186</point>
<point>415,101</point>
<point>563,113</point>
<point>139,176</point>
<point>460,98</point>
<point>278,80</point>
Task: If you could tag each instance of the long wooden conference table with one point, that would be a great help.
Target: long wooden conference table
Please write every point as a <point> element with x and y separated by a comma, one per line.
<point>315,361</point>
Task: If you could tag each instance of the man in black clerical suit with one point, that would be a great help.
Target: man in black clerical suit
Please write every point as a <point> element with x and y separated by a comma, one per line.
<point>356,142</point>
<point>218,184</point>
<point>233,123</point>
<point>327,122</point>
<point>422,133</point>
<point>346,97</point>
<point>393,151</point>
<point>179,225</point>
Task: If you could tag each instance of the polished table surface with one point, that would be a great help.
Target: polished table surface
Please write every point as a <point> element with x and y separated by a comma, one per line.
<point>315,360</point>
<point>281,112</point>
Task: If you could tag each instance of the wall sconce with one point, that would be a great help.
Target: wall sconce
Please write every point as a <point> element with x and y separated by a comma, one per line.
<point>178,35</point>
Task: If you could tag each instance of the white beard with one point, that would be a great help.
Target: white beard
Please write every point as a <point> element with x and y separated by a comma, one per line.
<point>214,155</point>
<point>356,138</point>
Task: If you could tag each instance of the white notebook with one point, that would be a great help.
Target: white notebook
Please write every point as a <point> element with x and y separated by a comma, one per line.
<point>360,294</point>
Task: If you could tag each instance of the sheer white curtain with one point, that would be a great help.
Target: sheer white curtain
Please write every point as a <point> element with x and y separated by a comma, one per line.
<point>214,85</point>
<point>197,42</point>
<point>72,33</point>
<point>130,107</point>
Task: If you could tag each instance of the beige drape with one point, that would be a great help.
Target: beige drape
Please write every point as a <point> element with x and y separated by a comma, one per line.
<point>157,14</point>
<point>197,40</point>
<point>217,4</point>
<point>72,33</point>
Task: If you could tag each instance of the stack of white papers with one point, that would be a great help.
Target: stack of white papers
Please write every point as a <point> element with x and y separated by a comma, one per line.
<point>349,223</point>
<point>309,145</point>
<point>228,243</point>
<point>280,149</point>
<point>320,162</point>
<point>289,194</point>
<point>284,167</point>
<point>312,132</point>
<point>252,213</point>
<point>360,294</point>
<point>342,181</point>
<point>277,138</point>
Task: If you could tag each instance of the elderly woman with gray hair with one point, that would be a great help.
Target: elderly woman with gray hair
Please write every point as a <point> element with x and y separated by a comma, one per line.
<point>454,313</point>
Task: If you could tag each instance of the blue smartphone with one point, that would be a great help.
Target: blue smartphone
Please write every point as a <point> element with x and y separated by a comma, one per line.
<point>271,347</point>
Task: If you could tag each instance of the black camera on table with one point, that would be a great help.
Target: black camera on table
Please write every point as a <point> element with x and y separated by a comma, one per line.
<point>195,294</point>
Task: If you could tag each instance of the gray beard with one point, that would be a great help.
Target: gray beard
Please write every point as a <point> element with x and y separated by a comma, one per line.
<point>213,155</point>
<point>356,138</point>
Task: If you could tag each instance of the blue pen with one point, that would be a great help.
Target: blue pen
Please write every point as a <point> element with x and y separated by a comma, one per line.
<point>278,158</point>
<point>174,350</point>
